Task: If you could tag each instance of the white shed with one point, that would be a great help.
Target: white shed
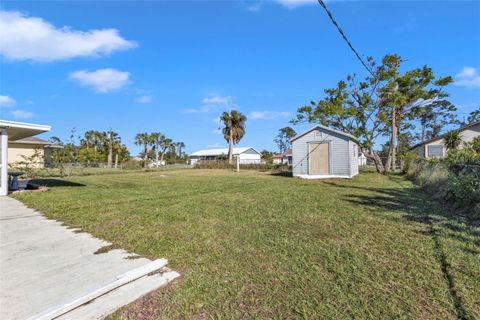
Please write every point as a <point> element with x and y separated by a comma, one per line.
<point>247,155</point>
<point>322,152</point>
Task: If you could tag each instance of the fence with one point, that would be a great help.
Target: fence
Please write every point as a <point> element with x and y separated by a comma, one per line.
<point>81,169</point>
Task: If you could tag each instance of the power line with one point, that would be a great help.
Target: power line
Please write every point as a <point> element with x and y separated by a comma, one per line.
<point>344,36</point>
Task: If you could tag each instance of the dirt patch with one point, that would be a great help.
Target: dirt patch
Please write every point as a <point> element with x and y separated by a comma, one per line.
<point>133,257</point>
<point>107,248</point>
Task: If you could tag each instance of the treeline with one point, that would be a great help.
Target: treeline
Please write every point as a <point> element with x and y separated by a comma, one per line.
<point>159,149</point>
<point>106,148</point>
<point>92,148</point>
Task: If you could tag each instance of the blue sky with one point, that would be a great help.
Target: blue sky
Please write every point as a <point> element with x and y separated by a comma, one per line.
<point>174,67</point>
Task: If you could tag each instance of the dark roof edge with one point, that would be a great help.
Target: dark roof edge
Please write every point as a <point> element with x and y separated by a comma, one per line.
<point>319,126</point>
<point>443,135</point>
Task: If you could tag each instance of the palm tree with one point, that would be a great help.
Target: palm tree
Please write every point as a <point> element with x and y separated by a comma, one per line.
<point>145,140</point>
<point>165,143</point>
<point>234,129</point>
<point>157,139</point>
<point>113,137</point>
<point>180,145</point>
<point>118,147</point>
<point>452,139</point>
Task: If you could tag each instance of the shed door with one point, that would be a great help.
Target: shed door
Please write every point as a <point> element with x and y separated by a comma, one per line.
<point>318,158</point>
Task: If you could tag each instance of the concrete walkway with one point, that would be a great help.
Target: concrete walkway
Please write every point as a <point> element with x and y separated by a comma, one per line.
<point>44,265</point>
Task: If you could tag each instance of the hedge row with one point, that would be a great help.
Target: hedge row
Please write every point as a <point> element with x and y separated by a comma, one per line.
<point>454,180</point>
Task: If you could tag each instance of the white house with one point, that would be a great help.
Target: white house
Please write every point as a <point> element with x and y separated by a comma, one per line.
<point>246,155</point>
<point>436,147</point>
<point>362,160</point>
<point>11,132</point>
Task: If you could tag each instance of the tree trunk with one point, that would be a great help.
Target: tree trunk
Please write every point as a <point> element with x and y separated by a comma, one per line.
<point>116,160</point>
<point>423,133</point>
<point>156,153</point>
<point>110,151</point>
<point>369,153</point>
<point>230,149</point>
<point>163,154</point>
<point>390,162</point>
<point>393,142</point>
<point>145,159</point>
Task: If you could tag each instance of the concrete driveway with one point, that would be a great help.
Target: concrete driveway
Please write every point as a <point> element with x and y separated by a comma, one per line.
<point>44,267</point>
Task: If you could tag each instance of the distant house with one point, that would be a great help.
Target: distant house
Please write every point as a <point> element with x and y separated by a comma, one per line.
<point>436,147</point>
<point>322,152</point>
<point>20,149</point>
<point>283,158</point>
<point>278,158</point>
<point>362,160</point>
<point>246,155</point>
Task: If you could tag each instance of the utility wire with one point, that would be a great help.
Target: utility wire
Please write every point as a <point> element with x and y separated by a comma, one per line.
<point>344,36</point>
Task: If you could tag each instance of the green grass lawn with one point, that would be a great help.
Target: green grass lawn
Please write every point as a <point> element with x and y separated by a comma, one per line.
<point>254,245</point>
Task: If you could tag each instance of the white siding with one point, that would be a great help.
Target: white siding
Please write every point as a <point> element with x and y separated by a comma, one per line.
<point>353,158</point>
<point>340,154</point>
<point>250,158</point>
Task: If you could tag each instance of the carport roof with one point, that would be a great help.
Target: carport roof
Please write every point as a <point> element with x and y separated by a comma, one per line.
<point>21,130</point>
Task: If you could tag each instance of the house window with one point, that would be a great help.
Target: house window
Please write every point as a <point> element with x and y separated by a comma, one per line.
<point>435,151</point>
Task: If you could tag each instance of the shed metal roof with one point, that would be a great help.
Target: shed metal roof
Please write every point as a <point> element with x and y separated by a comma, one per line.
<point>319,126</point>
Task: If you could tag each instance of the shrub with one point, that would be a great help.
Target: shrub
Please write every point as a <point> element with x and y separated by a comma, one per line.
<point>476,144</point>
<point>132,164</point>
<point>407,159</point>
<point>455,180</point>
<point>464,188</point>
<point>466,156</point>
<point>30,165</point>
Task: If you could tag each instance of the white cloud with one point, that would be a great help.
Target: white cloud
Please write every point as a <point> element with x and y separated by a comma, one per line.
<point>218,100</point>
<point>215,145</point>
<point>34,39</point>
<point>291,4</point>
<point>217,131</point>
<point>20,114</point>
<point>202,109</point>
<point>468,77</point>
<point>145,99</point>
<point>6,101</point>
<point>214,103</point>
<point>102,80</point>
<point>268,115</point>
<point>255,6</point>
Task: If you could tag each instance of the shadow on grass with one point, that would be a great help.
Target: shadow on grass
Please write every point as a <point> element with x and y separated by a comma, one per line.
<point>287,174</point>
<point>414,206</point>
<point>52,183</point>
